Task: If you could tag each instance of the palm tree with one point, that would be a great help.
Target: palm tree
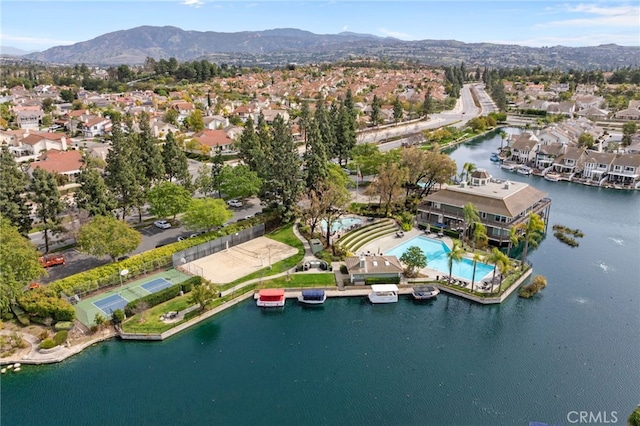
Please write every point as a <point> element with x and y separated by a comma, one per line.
<point>514,239</point>
<point>477,257</point>
<point>455,255</point>
<point>467,169</point>
<point>533,231</point>
<point>499,260</point>
<point>503,136</point>
<point>471,217</point>
<point>479,237</point>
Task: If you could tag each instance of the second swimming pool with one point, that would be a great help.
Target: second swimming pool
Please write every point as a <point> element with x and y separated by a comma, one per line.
<point>436,252</point>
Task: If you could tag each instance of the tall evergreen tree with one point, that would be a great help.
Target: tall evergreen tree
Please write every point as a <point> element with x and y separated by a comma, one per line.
<point>174,160</point>
<point>397,110</point>
<point>248,145</point>
<point>282,175</point>
<point>345,134</point>
<point>374,115</point>
<point>122,172</point>
<point>315,157</point>
<point>326,128</point>
<point>13,184</point>
<point>150,155</point>
<point>46,198</point>
<point>93,196</point>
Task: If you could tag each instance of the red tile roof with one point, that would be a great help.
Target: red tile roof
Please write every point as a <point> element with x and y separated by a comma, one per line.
<point>59,161</point>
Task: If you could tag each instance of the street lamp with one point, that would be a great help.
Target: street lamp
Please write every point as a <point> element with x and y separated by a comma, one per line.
<point>123,273</point>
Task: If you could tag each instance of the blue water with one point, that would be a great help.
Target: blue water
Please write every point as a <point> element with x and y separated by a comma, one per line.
<point>340,224</point>
<point>573,347</point>
<point>436,252</point>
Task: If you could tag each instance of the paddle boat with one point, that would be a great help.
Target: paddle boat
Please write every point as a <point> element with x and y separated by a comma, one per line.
<point>425,292</point>
<point>552,177</point>
<point>271,298</point>
<point>383,293</point>
<point>508,167</point>
<point>312,297</point>
<point>494,158</point>
<point>524,170</point>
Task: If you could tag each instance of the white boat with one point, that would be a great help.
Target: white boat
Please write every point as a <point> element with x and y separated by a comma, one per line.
<point>524,170</point>
<point>553,177</point>
<point>508,166</point>
<point>425,292</point>
<point>271,298</point>
<point>383,293</point>
<point>312,297</point>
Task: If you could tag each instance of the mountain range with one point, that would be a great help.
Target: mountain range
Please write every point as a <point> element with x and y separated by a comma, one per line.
<point>278,47</point>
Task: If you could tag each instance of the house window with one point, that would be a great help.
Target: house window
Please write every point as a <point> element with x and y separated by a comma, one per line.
<point>483,215</point>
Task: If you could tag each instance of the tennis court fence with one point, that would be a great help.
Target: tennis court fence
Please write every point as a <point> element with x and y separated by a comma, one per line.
<point>182,259</point>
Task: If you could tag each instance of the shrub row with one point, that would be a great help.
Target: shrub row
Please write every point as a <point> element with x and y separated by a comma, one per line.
<point>109,274</point>
<point>380,280</point>
<point>59,338</point>
<point>154,299</point>
<point>37,303</point>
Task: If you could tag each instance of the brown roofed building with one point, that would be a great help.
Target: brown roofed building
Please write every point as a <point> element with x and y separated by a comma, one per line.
<point>66,163</point>
<point>360,268</point>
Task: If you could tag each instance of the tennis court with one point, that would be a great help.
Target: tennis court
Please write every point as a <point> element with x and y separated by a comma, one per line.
<point>111,303</point>
<point>156,285</point>
<point>117,298</point>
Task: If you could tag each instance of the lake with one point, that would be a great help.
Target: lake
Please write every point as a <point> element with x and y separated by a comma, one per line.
<point>574,347</point>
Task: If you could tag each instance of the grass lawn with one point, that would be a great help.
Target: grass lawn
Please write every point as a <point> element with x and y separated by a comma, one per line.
<point>149,320</point>
<point>301,280</point>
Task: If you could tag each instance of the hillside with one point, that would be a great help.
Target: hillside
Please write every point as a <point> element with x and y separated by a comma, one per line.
<point>280,46</point>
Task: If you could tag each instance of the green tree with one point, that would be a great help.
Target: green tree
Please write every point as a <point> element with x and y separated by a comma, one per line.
<point>203,294</point>
<point>397,110</point>
<point>471,218</point>
<point>206,213</point>
<point>281,174</point>
<point>150,154</point>
<point>92,195</point>
<point>248,146</point>
<point>315,157</point>
<point>499,261</point>
<point>415,259</point>
<point>168,199</point>
<point>628,130</point>
<point>368,158</point>
<point>327,126</point>
<point>175,161</point>
<point>532,232</point>
<point>13,184</point>
<point>239,181</point>
<point>195,121</point>
<point>374,116</point>
<point>388,185</point>
<point>123,171</point>
<point>477,257</point>
<point>19,263</point>
<point>45,196</point>
<point>455,255</point>
<point>203,182</point>
<point>171,116</point>
<point>107,236</point>
<point>427,104</point>
<point>117,317</point>
<point>586,140</point>
<point>332,199</point>
<point>345,133</point>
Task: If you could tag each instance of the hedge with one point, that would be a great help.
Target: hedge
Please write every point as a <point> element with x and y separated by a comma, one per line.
<point>381,280</point>
<point>60,337</point>
<point>39,304</point>
<point>63,325</point>
<point>47,344</point>
<point>163,295</point>
<point>109,274</point>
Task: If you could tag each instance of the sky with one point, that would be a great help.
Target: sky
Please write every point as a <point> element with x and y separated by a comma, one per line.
<point>36,25</point>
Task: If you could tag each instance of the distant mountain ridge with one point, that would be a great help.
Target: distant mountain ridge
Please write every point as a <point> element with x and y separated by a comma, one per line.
<point>283,45</point>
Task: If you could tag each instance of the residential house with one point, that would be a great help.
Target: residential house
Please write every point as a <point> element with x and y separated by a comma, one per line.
<point>630,113</point>
<point>96,126</point>
<point>66,163</point>
<point>271,114</point>
<point>184,109</point>
<point>625,170</point>
<point>593,113</point>
<point>215,140</point>
<point>215,122</point>
<point>37,142</point>
<point>28,117</point>
<point>597,165</point>
<point>571,161</point>
<point>524,147</point>
<point>547,154</point>
<point>374,266</point>
<point>500,205</point>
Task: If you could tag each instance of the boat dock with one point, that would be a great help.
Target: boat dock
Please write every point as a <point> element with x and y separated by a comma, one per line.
<point>332,292</point>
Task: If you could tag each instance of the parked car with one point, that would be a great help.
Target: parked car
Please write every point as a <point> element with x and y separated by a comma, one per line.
<point>52,260</point>
<point>234,203</point>
<point>162,224</point>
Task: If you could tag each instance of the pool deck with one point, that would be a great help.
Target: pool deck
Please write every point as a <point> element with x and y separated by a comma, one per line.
<point>386,243</point>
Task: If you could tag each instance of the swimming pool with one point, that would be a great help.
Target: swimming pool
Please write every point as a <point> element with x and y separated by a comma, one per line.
<point>436,252</point>
<point>340,224</point>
